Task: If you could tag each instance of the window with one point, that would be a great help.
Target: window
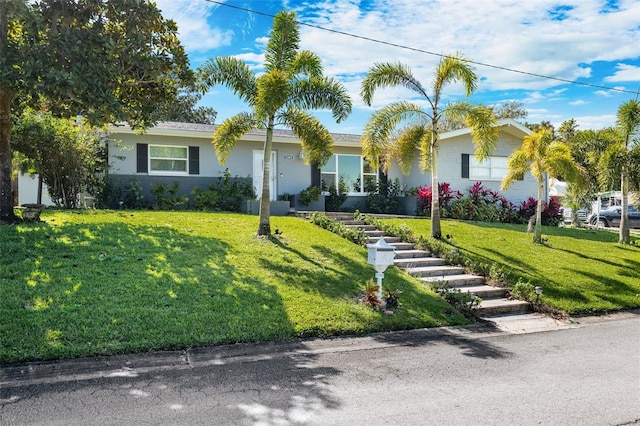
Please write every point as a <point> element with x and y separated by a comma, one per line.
<point>352,174</point>
<point>168,159</point>
<point>492,168</point>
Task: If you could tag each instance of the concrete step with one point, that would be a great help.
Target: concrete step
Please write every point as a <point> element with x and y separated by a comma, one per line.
<point>496,306</point>
<point>411,253</point>
<point>359,225</point>
<point>435,271</point>
<point>415,262</point>
<point>483,291</point>
<point>373,240</point>
<point>402,246</point>
<point>455,280</point>
<point>375,233</point>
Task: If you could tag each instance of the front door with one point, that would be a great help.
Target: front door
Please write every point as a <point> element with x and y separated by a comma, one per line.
<point>257,174</point>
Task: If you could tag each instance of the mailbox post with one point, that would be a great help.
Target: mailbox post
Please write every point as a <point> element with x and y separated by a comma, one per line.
<point>381,255</point>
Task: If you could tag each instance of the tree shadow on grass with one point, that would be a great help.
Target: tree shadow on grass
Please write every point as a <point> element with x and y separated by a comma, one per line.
<point>74,289</point>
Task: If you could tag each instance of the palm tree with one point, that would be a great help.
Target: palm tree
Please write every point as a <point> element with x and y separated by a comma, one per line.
<point>292,82</point>
<point>544,158</point>
<point>385,139</point>
<point>629,124</point>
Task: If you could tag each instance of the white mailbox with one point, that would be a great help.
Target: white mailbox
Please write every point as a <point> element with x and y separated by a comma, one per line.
<point>381,255</point>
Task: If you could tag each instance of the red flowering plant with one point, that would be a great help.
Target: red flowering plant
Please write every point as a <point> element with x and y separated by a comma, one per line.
<point>551,213</point>
<point>445,194</point>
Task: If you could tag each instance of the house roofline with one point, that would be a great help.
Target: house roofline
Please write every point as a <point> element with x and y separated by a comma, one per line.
<point>510,126</point>
<point>193,130</point>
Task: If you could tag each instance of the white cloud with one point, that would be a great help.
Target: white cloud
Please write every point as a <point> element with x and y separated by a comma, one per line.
<point>624,73</point>
<point>516,35</point>
<point>578,102</point>
<point>194,31</point>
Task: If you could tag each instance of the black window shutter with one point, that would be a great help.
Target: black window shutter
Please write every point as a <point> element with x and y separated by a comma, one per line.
<point>142,153</point>
<point>194,160</point>
<point>315,175</point>
<point>465,165</point>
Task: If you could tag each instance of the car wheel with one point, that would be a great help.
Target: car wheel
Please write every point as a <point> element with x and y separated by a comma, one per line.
<point>601,223</point>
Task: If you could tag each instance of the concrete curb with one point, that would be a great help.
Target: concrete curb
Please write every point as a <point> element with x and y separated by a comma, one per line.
<point>133,365</point>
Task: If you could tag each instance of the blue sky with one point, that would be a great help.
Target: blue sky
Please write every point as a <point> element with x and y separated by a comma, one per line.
<point>596,42</point>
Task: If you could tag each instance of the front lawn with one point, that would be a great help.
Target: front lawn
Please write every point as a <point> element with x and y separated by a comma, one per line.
<point>580,270</point>
<point>103,282</point>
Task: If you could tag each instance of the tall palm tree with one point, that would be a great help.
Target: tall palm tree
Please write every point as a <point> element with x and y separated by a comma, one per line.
<point>292,82</point>
<point>544,158</point>
<point>629,124</point>
<point>398,130</point>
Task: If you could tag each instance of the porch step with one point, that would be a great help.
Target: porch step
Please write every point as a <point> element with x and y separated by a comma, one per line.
<point>435,271</point>
<point>454,280</point>
<point>484,291</point>
<point>411,254</point>
<point>496,306</point>
<point>416,262</point>
<point>373,240</point>
<point>401,246</point>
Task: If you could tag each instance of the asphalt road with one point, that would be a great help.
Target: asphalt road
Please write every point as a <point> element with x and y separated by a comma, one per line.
<point>588,375</point>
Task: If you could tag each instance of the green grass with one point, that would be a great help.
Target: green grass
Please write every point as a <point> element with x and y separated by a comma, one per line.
<point>581,270</point>
<point>102,282</point>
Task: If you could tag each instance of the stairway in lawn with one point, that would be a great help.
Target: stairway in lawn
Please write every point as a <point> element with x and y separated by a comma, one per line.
<point>433,270</point>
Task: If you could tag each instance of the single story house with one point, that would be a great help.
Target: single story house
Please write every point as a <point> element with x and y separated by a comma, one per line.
<point>182,152</point>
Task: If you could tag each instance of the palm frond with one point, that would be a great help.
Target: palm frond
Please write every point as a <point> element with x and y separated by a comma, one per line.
<point>230,72</point>
<point>628,119</point>
<point>559,162</point>
<point>517,165</point>
<point>284,40</point>
<point>228,133</point>
<point>455,68</point>
<point>320,93</point>
<point>383,75</point>
<point>274,90</point>
<point>404,147</point>
<point>382,123</point>
<point>317,141</point>
<point>306,63</point>
<point>484,131</point>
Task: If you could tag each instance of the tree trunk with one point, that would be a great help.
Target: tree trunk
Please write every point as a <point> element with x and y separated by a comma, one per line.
<point>6,199</point>
<point>624,214</point>
<point>436,231</point>
<point>537,232</point>
<point>264,227</point>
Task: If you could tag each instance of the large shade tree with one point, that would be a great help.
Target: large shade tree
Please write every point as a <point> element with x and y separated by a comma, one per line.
<point>402,129</point>
<point>292,83</point>
<point>544,158</point>
<point>107,60</point>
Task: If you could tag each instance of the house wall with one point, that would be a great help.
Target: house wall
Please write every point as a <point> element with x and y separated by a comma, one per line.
<point>450,168</point>
<point>28,190</point>
<point>292,174</point>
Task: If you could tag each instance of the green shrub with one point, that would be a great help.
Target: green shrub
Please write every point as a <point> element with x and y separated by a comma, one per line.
<point>310,194</point>
<point>351,233</point>
<point>335,200</point>
<point>523,290</point>
<point>465,302</point>
<point>132,196</point>
<point>386,198</point>
<point>167,198</point>
<point>205,199</point>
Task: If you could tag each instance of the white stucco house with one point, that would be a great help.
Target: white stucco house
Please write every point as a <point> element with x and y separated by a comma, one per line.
<point>182,152</point>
